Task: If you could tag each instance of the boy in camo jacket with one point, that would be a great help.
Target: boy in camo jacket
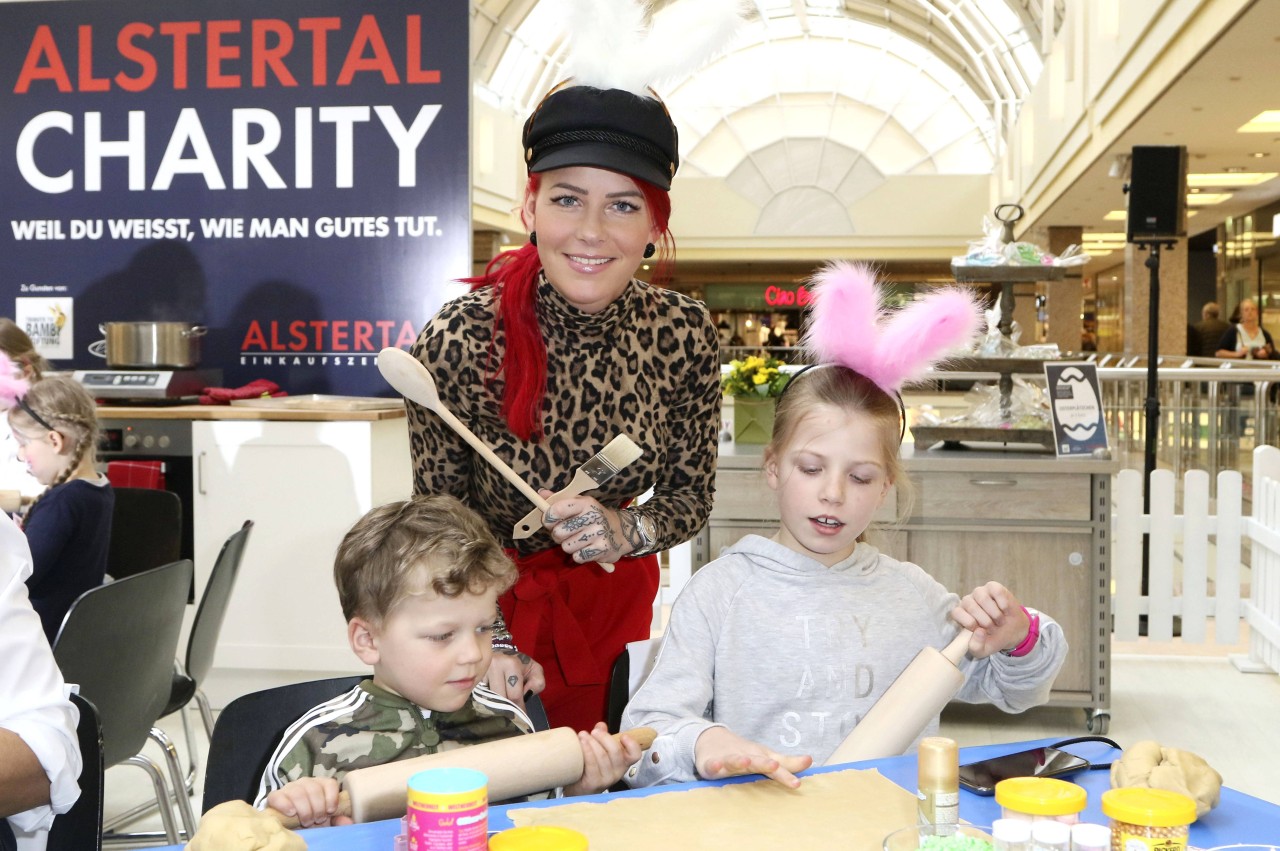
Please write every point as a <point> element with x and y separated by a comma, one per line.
<point>419,582</point>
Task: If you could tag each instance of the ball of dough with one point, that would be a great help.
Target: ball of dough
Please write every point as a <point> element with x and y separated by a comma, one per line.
<point>238,826</point>
<point>1148,764</point>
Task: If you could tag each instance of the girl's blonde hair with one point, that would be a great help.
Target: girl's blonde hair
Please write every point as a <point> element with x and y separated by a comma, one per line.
<point>62,403</point>
<point>15,343</point>
<point>846,390</point>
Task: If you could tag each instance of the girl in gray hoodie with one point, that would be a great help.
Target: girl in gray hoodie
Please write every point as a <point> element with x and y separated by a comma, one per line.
<point>775,650</point>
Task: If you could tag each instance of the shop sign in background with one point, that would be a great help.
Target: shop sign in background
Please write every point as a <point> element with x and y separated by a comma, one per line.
<point>292,174</point>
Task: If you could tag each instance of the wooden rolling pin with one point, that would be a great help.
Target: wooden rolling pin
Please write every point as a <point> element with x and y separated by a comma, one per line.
<point>520,765</point>
<point>916,696</point>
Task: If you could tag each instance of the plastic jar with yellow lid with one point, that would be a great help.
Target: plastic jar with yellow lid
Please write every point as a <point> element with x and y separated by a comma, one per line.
<point>1148,818</point>
<point>538,838</point>
<point>1041,799</point>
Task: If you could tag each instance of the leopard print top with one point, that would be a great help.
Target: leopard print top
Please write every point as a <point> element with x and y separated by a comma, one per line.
<point>647,366</point>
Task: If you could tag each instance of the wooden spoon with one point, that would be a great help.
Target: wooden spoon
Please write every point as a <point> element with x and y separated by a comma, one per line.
<point>413,381</point>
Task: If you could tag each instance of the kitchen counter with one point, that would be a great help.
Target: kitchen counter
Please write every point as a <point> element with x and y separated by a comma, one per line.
<point>244,412</point>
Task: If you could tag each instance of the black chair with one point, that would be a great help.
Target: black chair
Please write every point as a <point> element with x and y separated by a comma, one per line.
<point>80,828</point>
<point>146,531</point>
<point>248,730</point>
<point>203,642</point>
<point>118,643</point>
<point>250,727</point>
<point>629,670</point>
<point>537,713</point>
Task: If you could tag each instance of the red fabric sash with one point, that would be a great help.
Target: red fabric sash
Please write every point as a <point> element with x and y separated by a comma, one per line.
<point>578,617</point>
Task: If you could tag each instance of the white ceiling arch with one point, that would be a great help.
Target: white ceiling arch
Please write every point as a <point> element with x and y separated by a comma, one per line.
<point>832,95</point>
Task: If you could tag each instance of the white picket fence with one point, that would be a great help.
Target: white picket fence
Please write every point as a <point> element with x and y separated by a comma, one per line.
<point>1263,608</point>
<point>1196,598</point>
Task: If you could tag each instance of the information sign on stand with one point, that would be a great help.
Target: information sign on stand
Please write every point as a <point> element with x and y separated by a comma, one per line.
<point>1079,427</point>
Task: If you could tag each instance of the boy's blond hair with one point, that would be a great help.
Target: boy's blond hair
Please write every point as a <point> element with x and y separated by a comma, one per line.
<point>425,542</point>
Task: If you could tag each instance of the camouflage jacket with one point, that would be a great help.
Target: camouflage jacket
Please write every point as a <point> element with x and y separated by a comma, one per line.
<point>371,726</point>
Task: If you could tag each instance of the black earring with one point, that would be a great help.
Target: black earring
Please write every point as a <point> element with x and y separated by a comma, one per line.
<point>533,238</point>
<point>650,250</point>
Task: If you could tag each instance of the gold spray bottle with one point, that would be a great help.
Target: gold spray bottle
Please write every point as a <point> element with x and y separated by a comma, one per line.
<point>938,782</point>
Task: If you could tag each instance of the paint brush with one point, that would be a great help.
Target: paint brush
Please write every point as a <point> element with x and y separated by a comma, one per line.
<point>600,468</point>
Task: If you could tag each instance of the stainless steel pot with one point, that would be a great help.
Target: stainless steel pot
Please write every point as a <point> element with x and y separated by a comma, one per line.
<point>150,345</point>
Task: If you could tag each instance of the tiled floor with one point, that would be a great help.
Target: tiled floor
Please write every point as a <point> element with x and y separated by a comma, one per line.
<point>1198,702</point>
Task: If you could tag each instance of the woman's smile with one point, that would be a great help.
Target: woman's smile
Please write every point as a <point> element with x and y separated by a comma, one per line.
<point>588,265</point>
<point>589,261</point>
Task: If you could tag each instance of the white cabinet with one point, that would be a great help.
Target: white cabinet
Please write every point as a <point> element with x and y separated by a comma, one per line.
<point>303,484</point>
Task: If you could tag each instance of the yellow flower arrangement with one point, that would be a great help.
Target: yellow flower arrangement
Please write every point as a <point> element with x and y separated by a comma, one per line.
<point>755,376</point>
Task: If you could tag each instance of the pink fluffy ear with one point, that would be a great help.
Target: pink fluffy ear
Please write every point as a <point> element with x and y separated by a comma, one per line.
<point>12,388</point>
<point>922,333</point>
<point>846,305</point>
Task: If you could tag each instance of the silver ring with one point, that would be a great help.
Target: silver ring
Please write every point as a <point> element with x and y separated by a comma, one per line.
<point>512,680</point>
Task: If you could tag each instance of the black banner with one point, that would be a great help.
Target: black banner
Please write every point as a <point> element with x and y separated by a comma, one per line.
<point>293,174</point>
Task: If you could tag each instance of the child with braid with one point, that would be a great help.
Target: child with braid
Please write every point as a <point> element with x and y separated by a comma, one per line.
<point>69,525</point>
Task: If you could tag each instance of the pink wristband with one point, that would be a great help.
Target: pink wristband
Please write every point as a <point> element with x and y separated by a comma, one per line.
<point>1033,635</point>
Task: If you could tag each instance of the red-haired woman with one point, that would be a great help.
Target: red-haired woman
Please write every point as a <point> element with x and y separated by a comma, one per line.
<point>557,350</point>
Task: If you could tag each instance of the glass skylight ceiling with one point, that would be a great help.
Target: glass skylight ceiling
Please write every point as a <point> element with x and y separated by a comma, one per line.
<point>837,92</point>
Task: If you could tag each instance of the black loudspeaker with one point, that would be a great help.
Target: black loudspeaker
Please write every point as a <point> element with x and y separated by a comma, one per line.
<point>1157,193</point>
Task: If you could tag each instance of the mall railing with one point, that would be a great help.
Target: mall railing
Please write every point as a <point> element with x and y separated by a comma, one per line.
<point>1213,412</point>
<point>786,354</point>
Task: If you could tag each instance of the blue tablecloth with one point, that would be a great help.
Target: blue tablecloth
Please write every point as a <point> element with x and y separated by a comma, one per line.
<point>1238,818</point>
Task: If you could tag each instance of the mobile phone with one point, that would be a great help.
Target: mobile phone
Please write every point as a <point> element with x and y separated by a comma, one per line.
<point>982,776</point>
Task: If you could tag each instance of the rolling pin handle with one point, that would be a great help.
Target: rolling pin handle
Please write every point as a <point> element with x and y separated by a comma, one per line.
<point>642,736</point>
<point>292,823</point>
<point>959,645</point>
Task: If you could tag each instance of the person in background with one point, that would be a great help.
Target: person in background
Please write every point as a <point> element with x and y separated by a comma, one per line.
<point>557,350</point>
<point>15,343</point>
<point>1247,340</point>
<point>1088,340</point>
<point>723,333</point>
<point>419,582</point>
<point>28,364</point>
<point>39,754</point>
<point>776,649</point>
<point>1209,330</point>
<point>68,526</point>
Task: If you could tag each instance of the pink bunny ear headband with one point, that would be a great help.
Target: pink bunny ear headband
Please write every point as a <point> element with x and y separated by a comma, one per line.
<point>12,389</point>
<point>850,327</point>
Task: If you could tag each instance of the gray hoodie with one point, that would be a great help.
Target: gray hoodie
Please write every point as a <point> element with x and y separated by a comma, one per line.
<point>791,654</point>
